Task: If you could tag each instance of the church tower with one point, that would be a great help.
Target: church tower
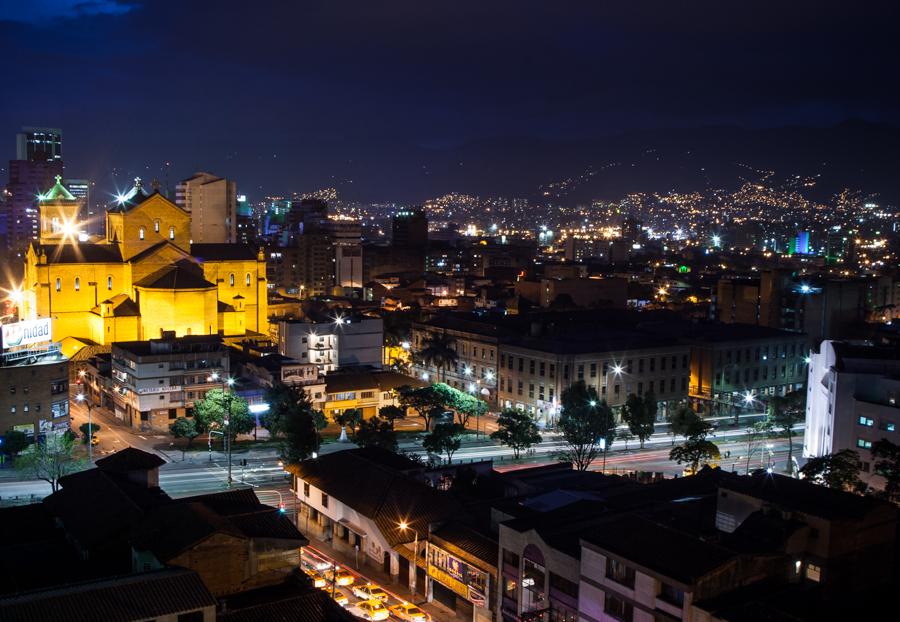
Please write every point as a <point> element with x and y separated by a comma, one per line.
<point>59,211</point>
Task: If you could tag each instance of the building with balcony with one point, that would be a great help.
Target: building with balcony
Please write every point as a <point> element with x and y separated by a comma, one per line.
<point>157,381</point>
<point>333,342</point>
<point>853,401</point>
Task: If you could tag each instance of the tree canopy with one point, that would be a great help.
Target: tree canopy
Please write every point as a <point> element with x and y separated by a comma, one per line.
<point>517,430</point>
<point>640,415</point>
<point>444,439</point>
<point>210,413</point>
<point>14,441</point>
<point>584,421</point>
<point>887,465</point>
<point>184,428</point>
<point>50,459</point>
<point>838,470</point>
<point>293,421</point>
<point>439,350</point>
<point>376,432</point>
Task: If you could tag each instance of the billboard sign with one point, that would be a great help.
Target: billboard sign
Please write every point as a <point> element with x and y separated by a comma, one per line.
<point>26,333</point>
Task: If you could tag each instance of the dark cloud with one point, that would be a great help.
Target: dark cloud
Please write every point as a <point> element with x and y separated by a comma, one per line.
<point>279,93</point>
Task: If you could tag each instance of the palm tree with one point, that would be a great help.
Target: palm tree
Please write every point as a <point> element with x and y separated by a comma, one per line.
<point>439,350</point>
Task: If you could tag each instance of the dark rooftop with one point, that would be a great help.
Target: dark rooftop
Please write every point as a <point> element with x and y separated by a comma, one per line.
<point>214,252</point>
<point>80,253</point>
<point>182,275</point>
<point>141,596</point>
<point>129,459</point>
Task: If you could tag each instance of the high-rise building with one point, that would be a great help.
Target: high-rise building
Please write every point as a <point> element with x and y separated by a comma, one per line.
<point>212,203</point>
<point>90,220</point>
<point>409,228</point>
<point>39,143</point>
<point>27,179</point>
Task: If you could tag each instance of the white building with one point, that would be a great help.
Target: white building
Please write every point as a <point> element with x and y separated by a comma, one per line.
<point>157,381</point>
<point>350,341</point>
<point>852,401</point>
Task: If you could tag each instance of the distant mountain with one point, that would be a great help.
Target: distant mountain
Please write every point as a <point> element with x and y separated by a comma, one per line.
<point>854,154</point>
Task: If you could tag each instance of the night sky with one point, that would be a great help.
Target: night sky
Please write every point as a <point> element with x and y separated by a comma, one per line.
<point>283,95</point>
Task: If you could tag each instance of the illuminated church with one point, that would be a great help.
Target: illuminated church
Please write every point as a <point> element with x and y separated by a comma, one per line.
<point>143,278</point>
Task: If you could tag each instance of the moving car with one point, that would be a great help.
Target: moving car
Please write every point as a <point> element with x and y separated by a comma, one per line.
<point>408,612</point>
<point>370,591</point>
<point>317,579</point>
<point>372,610</point>
<point>339,576</point>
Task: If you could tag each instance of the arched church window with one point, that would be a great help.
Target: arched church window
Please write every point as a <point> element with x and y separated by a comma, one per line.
<point>248,279</point>
<point>231,279</point>
<point>109,282</point>
<point>58,284</point>
<point>171,233</point>
<point>77,284</point>
<point>141,233</point>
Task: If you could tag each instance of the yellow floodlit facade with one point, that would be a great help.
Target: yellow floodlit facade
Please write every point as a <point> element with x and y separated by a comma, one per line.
<point>142,278</point>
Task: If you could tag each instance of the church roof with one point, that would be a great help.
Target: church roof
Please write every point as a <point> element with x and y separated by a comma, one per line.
<point>181,275</point>
<point>58,192</point>
<point>123,306</point>
<point>80,253</point>
<point>134,197</point>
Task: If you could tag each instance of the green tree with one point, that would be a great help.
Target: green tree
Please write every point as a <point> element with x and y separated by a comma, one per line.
<point>87,431</point>
<point>391,413</point>
<point>838,470</point>
<point>50,459</point>
<point>444,439</point>
<point>584,421</point>
<point>349,418</point>
<point>685,422</point>
<point>184,428</point>
<point>439,350</point>
<point>887,465</point>
<point>282,400</point>
<point>693,451</point>
<point>292,419</point>
<point>376,432</point>
<point>217,406</point>
<point>783,413</point>
<point>14,442</point>
<point>517,430</point>
<point>640,418</point>
<point>462,403</point>
<point>425,401</point>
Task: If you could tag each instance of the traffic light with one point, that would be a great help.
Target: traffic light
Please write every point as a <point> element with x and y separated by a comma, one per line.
<point>281,508</point>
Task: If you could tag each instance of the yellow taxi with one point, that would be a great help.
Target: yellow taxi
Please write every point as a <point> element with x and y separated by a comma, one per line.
<point>372,610</point>
<point>339,576</point>
<point>317,579</point>
<point>370,591</point>
<point>408,612</point>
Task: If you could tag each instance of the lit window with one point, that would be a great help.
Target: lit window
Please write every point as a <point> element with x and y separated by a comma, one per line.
<point>861,442</point>
<point>171,233</point>
<point>109,283</point>
<point>889,427</point>
<point>248,279</point>
<point>58,284</point>
<point>156,226</point>
<point>813,572</point>
<point>77,284</point>
<point>141,233</point>
<point>866,421</point>
<point>231,280</point>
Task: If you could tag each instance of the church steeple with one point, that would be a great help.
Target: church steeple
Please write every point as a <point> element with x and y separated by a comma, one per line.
<point>59,215</point>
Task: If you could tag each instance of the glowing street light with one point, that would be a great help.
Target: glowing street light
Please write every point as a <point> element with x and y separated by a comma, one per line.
<point>425,376</point>
<point>467,370</point>
<point>618,369</point>
<point>749,398</point>
<point>715,240</point>
<point>807,359</point>
<point>489,375</point>
<point>593,403</point>
<point>805,289</point>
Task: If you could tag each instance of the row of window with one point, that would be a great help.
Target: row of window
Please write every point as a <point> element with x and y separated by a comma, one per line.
<point>887,426</point>
<point>143,231</point>
<point>543,369</point>
<point>748,355</point>
<point>56,387</point>
<point>506,384</point>
<point>109,282</point>
<point>726,377</point>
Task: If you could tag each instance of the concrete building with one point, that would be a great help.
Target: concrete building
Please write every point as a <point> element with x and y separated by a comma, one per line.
<point>28,179</point>
<point>535,369</point>
<point>366,391</point>
<point>157,381</point>
<point>736,367</point>
<point>331,343</point>
<point>212,203</point>
<point>35,399</point>
<point>853,401</point>
<point>477,348</point>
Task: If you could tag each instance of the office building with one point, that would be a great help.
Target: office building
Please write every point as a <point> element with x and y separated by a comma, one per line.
<point>853,401</point>
<point>37,144</point>
<point>212,203</point>
<point>28,179</point>
<point>409,228</point>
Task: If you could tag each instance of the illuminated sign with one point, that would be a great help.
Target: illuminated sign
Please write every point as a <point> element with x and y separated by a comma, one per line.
<point>464,579</point>
<point>26,333</point>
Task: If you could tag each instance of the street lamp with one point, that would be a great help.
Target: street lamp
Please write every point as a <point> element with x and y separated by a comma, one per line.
<point>80,398</point>
<point>229,398</point>
<point>403,527</point>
